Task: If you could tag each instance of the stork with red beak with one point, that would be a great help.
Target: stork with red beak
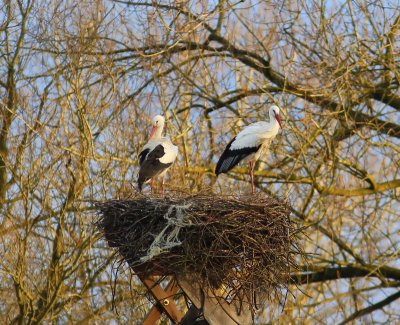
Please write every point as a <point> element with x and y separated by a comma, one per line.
<point>157,155</point>
<point>250,144</point>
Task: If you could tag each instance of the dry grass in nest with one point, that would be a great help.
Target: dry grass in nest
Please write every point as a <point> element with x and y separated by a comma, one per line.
<point>238,246</point>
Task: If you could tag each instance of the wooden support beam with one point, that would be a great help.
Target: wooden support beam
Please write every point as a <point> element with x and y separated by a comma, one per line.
<point>216,310</point>
<point>165,301</point>
<point>157,310</point>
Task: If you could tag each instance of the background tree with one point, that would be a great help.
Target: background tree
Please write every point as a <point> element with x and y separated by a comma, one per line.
<point>80,82</point>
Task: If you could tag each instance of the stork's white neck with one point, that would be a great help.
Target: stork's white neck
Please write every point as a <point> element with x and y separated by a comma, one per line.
<point>273,128</point>
<point>272,118</point>
<point>158,133</point>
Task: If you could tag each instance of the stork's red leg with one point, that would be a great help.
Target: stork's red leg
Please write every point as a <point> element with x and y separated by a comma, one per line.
<point>163,184</point>
<point>251,163</point>
<point>151,185</point>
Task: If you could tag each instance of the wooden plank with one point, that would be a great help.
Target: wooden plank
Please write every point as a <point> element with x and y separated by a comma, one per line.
<point>164,299</point>
<point>157,310</point>
<point>216,310</point>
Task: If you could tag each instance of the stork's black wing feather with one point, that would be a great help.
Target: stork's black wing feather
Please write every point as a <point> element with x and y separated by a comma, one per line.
<point>230,158</point>
<point>152,166</point>
<point>142,155</point>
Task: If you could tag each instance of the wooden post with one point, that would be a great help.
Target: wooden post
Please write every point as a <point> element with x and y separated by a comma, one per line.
<point>165,301</point>
<point>216,310</point>
<point>155,313</point>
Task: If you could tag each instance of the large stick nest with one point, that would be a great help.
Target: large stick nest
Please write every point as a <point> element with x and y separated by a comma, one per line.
<point>237,245</point>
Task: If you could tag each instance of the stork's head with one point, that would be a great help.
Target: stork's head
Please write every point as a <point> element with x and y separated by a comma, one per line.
<point>275,114</point>
<point>158,124</point>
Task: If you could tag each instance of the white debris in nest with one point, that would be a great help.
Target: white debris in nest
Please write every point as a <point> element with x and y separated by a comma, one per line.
<point>168,237</point>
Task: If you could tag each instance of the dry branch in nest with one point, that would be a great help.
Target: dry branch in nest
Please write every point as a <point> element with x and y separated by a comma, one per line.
<point>238,246</point>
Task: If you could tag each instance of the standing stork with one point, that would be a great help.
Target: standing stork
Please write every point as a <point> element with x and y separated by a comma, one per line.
<point>157,155</point>
<point>250,143</point>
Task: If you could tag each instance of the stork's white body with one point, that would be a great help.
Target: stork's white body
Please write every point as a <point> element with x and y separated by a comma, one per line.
<point>157,155</point>
<point>250,144</point>
<point>254,135</point>
<point>171,151</point>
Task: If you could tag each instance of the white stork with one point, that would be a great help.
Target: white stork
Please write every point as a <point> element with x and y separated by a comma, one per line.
<point>250,143</point>
<point>157,155</point>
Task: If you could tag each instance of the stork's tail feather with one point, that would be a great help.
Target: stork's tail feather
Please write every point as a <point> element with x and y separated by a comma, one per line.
<point>231,158</point>
<point>140,186</point>
<point>227,161</point>
<point>141,181</point>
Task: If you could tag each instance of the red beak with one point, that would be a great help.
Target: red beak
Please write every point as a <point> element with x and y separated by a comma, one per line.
<point>152,131</point>
<point>278,118</point>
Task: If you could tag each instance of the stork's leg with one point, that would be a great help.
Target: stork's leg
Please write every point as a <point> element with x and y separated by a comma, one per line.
<point>151,185</point>
<point>251,163</point>
<point>163,184</point>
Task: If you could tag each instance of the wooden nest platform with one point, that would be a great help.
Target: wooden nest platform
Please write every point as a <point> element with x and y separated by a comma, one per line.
<point>234,246</point>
